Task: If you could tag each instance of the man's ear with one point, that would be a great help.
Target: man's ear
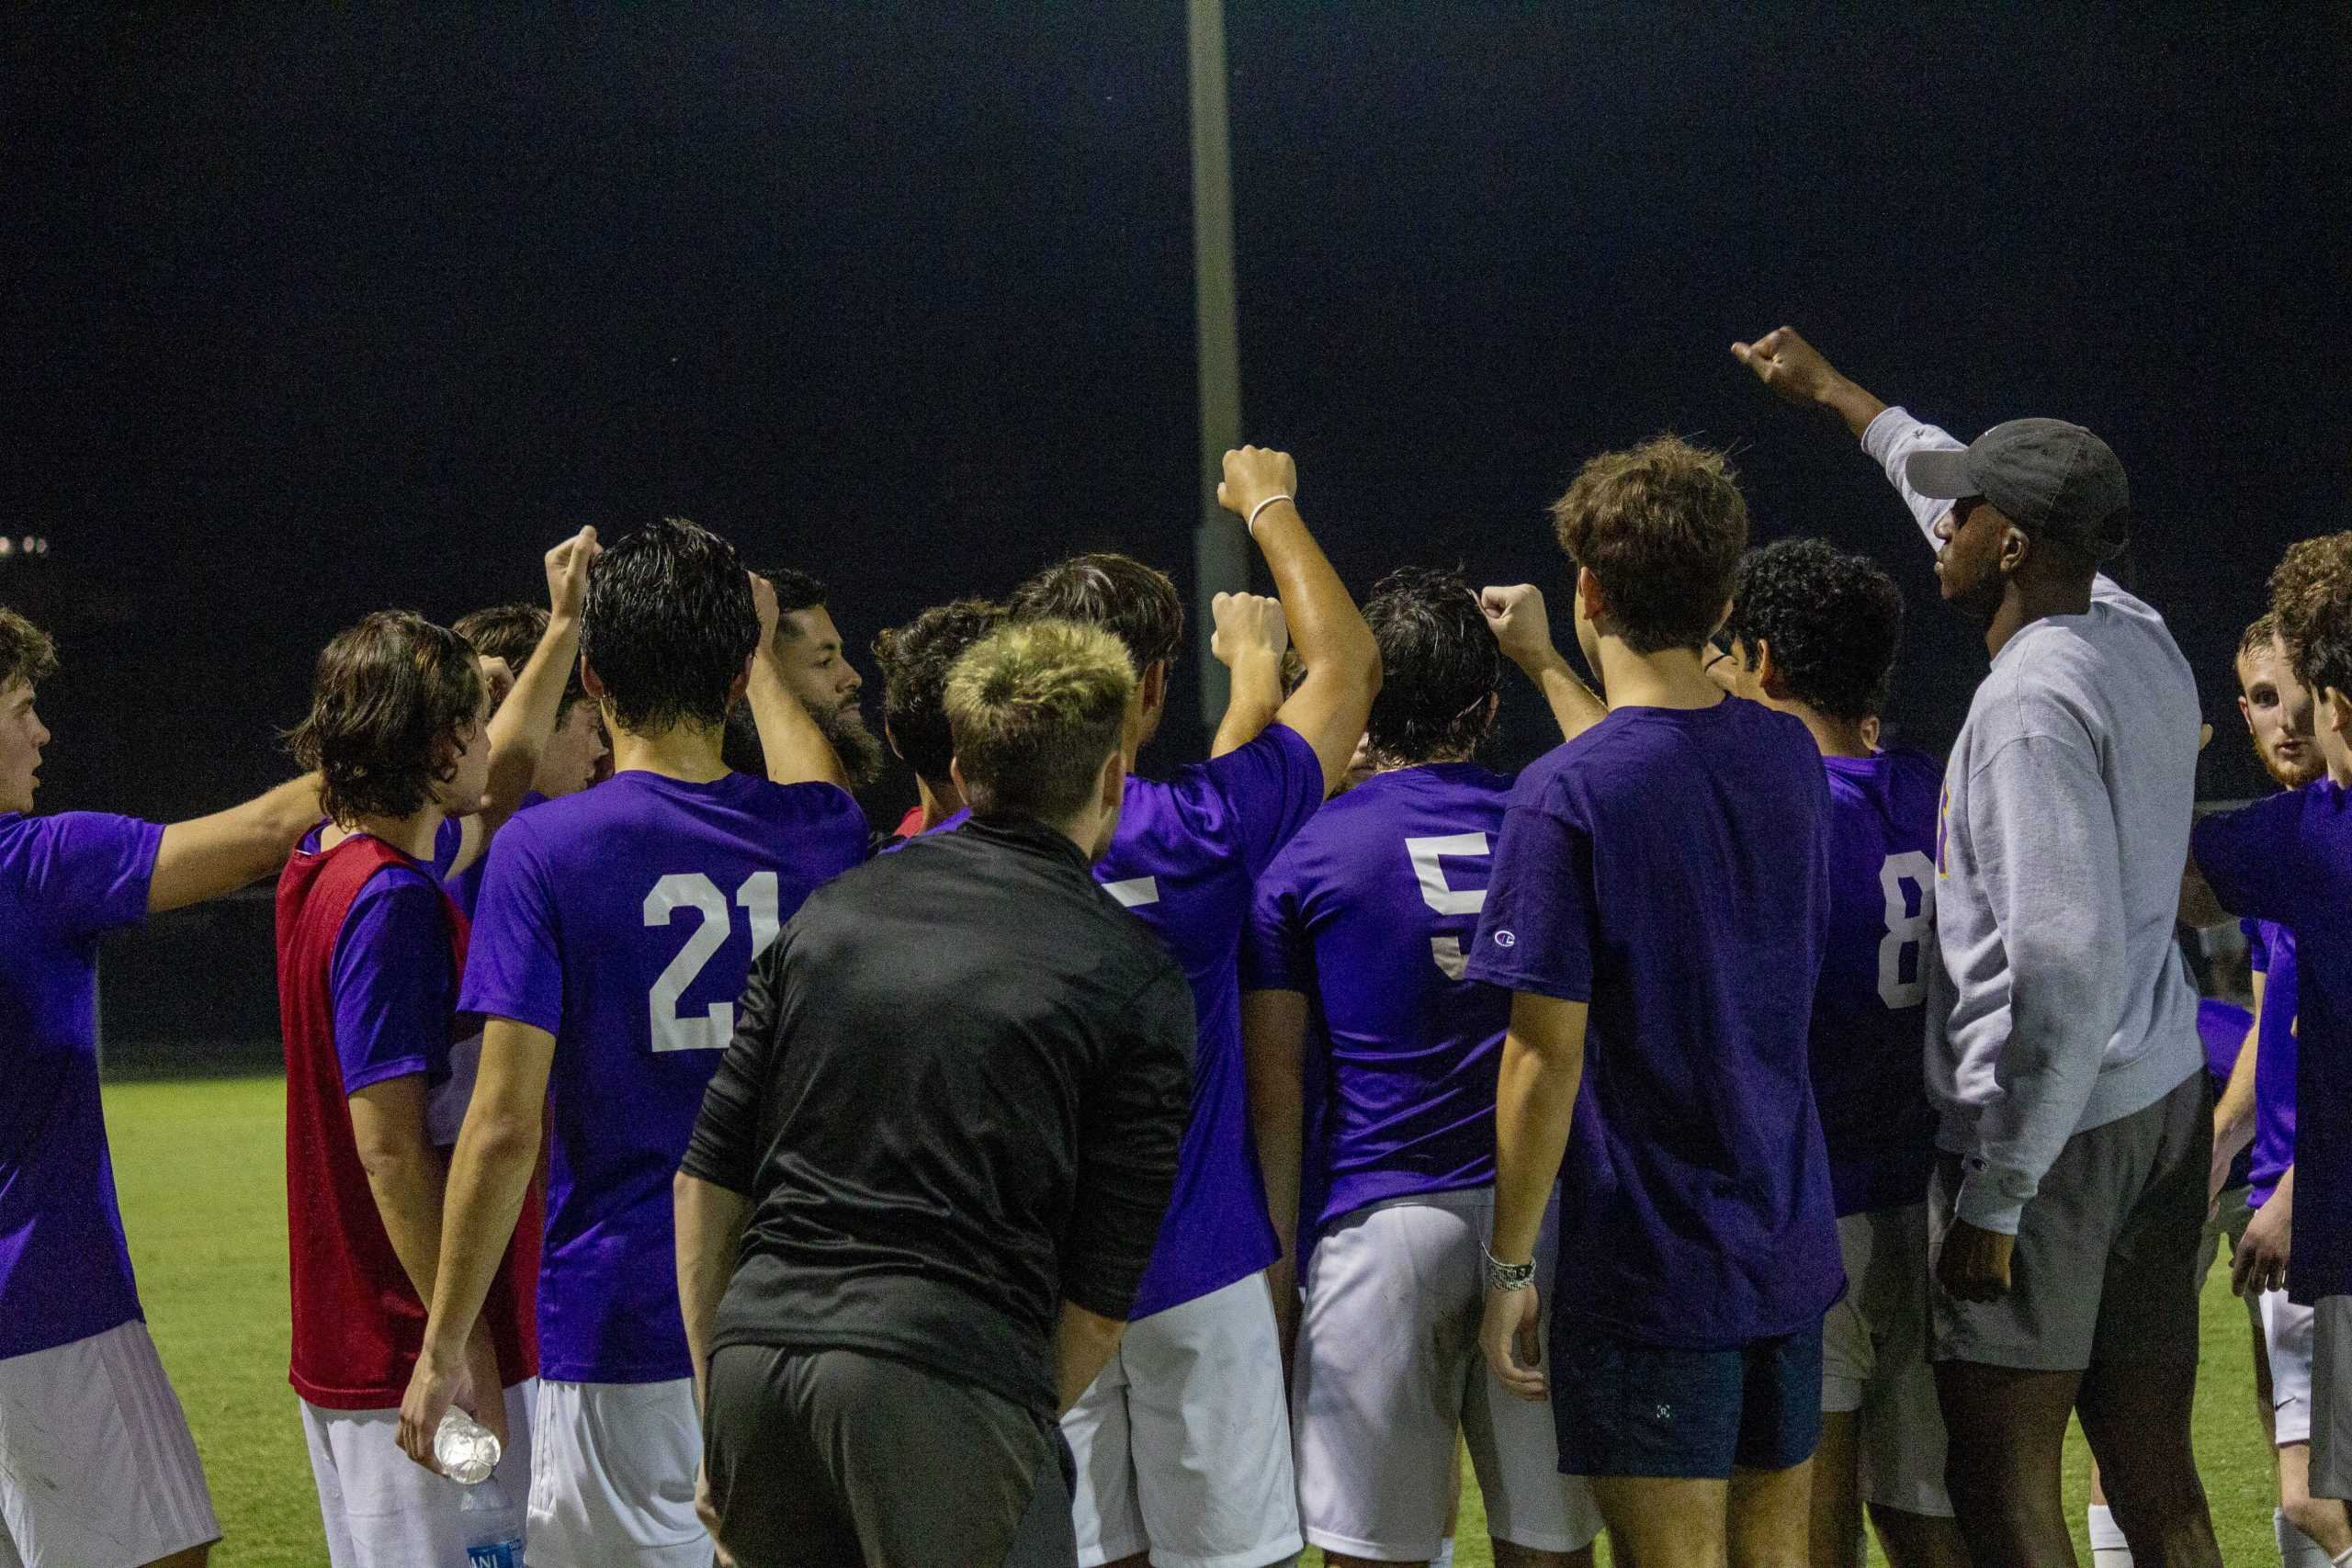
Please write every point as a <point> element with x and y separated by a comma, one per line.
<point>2016,549</point>
<point>2337,712</point>
<point>742,683</point>
<point>1768,673</point>
<point>956,774</point>
<point>1590,602</point>
<point>1113,780</point>
<point>590,681</point>
<point>1152,687</point>
<point>894,745</point>
<point>2245,712</point>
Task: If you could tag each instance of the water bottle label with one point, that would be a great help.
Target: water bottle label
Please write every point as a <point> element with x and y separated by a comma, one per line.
<point>497,1554</point>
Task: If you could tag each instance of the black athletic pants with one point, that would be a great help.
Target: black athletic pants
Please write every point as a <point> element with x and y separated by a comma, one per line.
<point>837,1458</point>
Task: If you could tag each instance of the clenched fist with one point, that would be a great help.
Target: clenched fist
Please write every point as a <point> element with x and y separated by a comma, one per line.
<point>1520,623</point>
<point>1252,474</point>
<point>1247,623</point>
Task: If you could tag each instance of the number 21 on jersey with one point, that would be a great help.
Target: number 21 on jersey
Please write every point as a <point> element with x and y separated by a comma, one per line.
<point>692,893</point>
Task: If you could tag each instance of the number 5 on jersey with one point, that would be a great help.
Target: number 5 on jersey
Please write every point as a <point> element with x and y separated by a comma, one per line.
<point>1425,854</point>
<point>693,892</point>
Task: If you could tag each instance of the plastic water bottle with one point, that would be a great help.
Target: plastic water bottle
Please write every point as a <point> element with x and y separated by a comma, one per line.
<point>465,1451</point>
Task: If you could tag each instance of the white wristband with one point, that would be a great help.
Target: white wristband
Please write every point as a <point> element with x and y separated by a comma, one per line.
<point>1262,507</point>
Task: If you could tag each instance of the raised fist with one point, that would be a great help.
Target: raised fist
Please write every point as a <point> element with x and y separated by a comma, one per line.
<point>1252,475</point>
<point>1521,624</point>
<point>1790,366</point>
<point>1247,623</point>
<point>567,569</point>
<point>763,603</point>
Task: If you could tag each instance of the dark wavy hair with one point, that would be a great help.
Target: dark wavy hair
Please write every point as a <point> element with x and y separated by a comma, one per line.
<point>511,632</point>
<point>1137,604</point>
<point>1662,526</point>
<point>669,623</point>
<point>1439,664</point>
<point>1833,620</point>
<point>2311,595</point>
<point>392,706</point>
<point>26,652</point>
<point>914,660</point>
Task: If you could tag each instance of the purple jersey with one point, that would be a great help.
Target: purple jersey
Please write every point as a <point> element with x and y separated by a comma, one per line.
<point>1670,867</point>
<point>623,921</point>
<point>1371,912</point>
<point>2289,860</point>
<point>1870,1024</point>
<point>64,882</point>
<point>392,980</point>
<point>1184,859</point>
<point>465,888</point>
<point>2270,949</point>
<point>2222,1026</point>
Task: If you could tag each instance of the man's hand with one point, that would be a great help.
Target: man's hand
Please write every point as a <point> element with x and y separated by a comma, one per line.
<point>484,1396</point>
<point>567,569</point>
<point>1796,370</point>
<point>1520,623</point>
<point>1507,1335</point>
<point>1252,474</point>
<point>433,1388</point>
<point>1975,1264</point>
<point>497,679</point>
<point>2260,1262</point>
<point>1246,624</point>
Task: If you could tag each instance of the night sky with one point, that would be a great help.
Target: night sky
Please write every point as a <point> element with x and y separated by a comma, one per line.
<point>313,312</point>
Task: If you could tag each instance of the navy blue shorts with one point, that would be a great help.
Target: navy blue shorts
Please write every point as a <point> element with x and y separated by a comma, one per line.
<point>1640,1410</point>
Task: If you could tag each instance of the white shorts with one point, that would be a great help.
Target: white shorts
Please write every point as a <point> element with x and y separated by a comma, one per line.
<point>1183,1443</point>
<point>96,1465</point>
<point>2287,1336</point>
<point>384,1510</point>
<point>1388,1372</point>
<point>612,1468</point>
<point>1874,1360</point>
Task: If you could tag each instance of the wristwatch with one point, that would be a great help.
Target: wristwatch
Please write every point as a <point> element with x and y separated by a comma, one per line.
<point>1502,1276</point>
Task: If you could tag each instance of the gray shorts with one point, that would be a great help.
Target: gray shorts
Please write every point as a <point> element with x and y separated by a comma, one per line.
<point>2109,1253</point>
<point>834,1456</point>
<point>2331,1398</point>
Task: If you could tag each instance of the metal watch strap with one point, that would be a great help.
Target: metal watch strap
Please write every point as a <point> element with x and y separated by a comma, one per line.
<point>1502,1276</point>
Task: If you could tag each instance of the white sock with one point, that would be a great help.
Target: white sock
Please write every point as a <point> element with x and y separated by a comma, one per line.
<point>2108,1548</point>
<point>1444,1558</point>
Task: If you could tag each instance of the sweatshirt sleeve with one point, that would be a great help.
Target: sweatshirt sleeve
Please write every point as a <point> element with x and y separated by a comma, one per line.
<point>1892,437</point>
<point>1130,1131</point>
<point>724,1149</point>
<point>2046,834</point>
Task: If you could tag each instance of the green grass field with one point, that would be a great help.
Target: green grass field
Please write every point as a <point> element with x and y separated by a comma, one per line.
<point>201,1168</point>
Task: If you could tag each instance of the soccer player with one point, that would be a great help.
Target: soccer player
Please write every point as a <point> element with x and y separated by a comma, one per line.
<point>1812,633</point>
<point>616,930</point>
<point>370,950</point>
<point>575,750</point>
<point>96,1465</point>
<point>914,661</point>
<point>817,670</point>
<point>1354,959</point>
<point>1182,1442</point>
<point>945,1224</point>
<point>2288,860</point>
<point>1656,909</point>
<point>2070,1194</point>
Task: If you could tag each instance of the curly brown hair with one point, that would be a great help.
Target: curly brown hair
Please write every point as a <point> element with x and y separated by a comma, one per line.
<point>914,661</point>
<point>2311,596</point>
<point>1662,525</point>
<point>26,652</point>
<point>393,701</point>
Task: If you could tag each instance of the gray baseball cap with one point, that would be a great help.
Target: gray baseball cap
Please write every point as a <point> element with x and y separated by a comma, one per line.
<point>2048,476</point>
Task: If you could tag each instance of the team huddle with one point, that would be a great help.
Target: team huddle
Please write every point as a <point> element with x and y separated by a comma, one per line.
<point>1738,1134</point>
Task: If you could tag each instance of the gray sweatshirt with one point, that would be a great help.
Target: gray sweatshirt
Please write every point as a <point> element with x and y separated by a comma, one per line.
<point>2059,1000</point>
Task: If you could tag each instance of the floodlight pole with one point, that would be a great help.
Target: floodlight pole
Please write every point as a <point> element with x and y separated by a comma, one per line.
<point>1220,544</point>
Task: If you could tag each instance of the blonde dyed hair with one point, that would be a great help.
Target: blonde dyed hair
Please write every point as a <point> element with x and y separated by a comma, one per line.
<point>1034,707</point>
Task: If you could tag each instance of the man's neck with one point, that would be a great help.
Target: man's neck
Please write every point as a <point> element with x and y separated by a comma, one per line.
<point>683,752</point>
<point>1671,678</point>
<point>414,835</point>
<point>1834,736</point>
<point>940,801</point>
<point>2028,602</point>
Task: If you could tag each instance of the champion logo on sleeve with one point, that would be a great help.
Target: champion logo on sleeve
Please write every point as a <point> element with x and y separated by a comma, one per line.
<point>1506,938</point>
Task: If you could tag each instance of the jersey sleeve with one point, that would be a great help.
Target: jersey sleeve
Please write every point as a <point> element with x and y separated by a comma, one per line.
<point>391,981</point>
<point>87,872</point>
<point>837,838</point>
<point>447,839</point>
<point>1274,941</point>
<point>1537,932</point>
<point>514,963</point>
<point>2257,946</point>
<point>2250,856</point>
<point>1267,789</point>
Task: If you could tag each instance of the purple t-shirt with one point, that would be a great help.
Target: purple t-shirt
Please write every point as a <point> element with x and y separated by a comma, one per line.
<point>1369,913</point>
<point>623,921</point>
<point>1186,856</point>
<point>394,986</point>
<point>2288,860</point>
<point>1671,868</point>
<point>465,888</point>
<point>2270,949</point>
<point>2222,1026</point>
<point>64,881</point>
<point>1870,1024</point>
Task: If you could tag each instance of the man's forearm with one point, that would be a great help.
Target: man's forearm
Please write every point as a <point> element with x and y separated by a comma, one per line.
<point>710,1221</point>
<point>795,749</point>
<point>409,1193</point>
<point>1535,1102</point>
<point>1256,695</point>
<point>520,729</point>
<point>1575,707</point>
<point>2233,1113</point>
<point>489,1175</point>
<point>1083,1344</point>
<point>208,856</point>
